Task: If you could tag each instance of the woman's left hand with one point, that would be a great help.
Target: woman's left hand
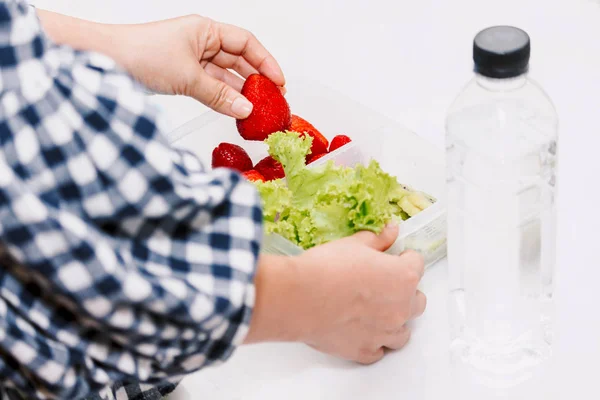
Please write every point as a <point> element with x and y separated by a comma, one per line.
<point>192,56</point>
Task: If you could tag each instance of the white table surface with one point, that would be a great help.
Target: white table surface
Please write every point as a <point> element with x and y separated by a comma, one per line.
<point>409,59</point>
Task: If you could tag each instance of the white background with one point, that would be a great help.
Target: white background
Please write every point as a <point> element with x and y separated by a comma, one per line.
<point>408,59</point>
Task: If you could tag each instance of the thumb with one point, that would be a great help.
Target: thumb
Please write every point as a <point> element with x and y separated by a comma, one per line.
<point>380,242</point>
<point>219,96</point>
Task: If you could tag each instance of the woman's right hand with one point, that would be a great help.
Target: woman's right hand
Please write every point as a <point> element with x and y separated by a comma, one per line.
<point>346,298</point>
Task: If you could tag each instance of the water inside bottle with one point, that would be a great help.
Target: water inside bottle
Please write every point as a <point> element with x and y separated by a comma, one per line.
<point>501,231</point>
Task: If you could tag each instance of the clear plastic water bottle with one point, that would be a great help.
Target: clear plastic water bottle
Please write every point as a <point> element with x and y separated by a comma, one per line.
<point>501,160</point>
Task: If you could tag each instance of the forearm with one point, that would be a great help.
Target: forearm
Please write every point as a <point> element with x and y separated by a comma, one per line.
<point>81,34</point>
<point>281,309</point>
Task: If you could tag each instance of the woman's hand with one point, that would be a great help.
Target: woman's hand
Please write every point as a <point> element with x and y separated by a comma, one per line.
<point>346,298</point>
<point>192,56</point>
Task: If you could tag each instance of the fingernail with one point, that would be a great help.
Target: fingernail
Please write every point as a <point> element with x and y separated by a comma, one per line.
<point>241,107</point>
<point>391,225</point>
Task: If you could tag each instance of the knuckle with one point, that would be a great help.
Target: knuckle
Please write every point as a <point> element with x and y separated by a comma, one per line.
<point>211,32</point>
<point>371,236</point>
<point>238,64</point>
<point>403,316</point>
<point>195,20</point>
<point>395,320</point>
<point>404,337</point>
<point>412,277</point>
<point>400,338</point>
<point>366,238</point>
<point>212,26</point>
<point>219,97</point>
<point>414,258</point>
<point>367,235</point>
<point>403,331</point>
<point>407,333</point>
<point>420,262</point>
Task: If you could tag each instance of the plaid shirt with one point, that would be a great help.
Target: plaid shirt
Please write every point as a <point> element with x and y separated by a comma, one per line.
<point>122,260</point>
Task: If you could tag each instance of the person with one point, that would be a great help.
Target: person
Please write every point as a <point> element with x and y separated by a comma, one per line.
<point>125,265</point>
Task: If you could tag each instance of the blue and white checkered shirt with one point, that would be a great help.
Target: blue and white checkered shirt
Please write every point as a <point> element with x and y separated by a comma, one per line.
<point>124,264</point>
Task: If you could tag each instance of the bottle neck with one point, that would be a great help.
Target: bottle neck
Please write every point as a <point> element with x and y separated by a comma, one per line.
<point>501,85</point>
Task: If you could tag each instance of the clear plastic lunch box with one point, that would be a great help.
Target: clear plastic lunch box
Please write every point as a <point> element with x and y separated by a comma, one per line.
<point>413,160</point>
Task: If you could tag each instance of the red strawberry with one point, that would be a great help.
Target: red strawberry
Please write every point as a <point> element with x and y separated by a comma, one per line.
<point>338,142</point>
<point>253,175</point>
<point>270,168</point>
<point>319,144</point>
<point>313,158</point>
<point>231,156</point>
<point>271,112</point>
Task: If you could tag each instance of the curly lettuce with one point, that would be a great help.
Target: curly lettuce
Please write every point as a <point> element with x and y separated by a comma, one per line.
<point>316,205</point>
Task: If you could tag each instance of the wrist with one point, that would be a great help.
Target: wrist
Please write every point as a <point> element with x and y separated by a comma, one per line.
<point>280,311</point>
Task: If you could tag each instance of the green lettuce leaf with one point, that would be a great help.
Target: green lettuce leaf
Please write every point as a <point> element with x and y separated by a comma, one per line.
<point>327,202</point>
<point>276,198</point>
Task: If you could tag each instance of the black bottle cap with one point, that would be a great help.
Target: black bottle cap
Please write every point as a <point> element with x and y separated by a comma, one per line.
<point>501,52</point>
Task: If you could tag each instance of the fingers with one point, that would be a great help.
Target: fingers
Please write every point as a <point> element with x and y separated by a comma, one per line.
<point>380,242</point>
<point>418,305</point>
<point>218,95</point>
<point>238,41</point>
<point>399,339</point>
<point>234,62</point>
<point>224,76</point>
<point>221,73</point>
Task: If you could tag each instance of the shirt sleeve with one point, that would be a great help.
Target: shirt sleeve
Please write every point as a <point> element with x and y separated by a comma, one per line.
<point>121,258</point>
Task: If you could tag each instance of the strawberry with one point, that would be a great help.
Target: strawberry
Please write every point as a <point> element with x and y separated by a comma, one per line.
<point>312,158</point>
<point>253,175</point>
<point>319,144</point>
<point>338,141</point>
<point>271,112</point>
<point>231,156</point>
<point>270,168</point>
